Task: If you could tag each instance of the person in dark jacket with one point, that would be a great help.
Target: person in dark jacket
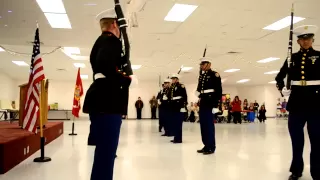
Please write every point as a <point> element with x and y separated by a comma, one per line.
<point>304,76</point>
<point>106,118</point>
<point>262,114</point>
<point>139,106</point>
<point>178,99</point>
<point>164,108</point>
<point>209,91</point>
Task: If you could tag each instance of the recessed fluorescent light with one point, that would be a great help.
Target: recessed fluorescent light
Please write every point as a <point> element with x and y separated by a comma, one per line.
<point>232,70</point>
<point>79,65</point>
<point>58,20</point>
<point>180,12</point>
<point>271,72</point>
<point>71,50</point>
<point>79,58</point>
<point>135,67</point>
<point>283,23</point>
<point>84,76</point>
<point>268,60</point>
<point>243,80</point>
<point>272,82</point>
<point>1,50</point>
<point>51,6</point>
<point>20,63</point>
<point>186,68</point>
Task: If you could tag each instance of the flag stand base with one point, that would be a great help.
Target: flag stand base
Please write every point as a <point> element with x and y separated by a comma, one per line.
<point>42,158</point>
<point>73,134</point>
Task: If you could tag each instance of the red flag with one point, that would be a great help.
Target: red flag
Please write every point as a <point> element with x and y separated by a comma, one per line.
<point>78,92</point>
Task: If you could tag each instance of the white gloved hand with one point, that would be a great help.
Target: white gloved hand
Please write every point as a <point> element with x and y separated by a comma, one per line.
<point>183,110</point>
<point>165,97</point>
<point>159,102</point>
<point>134,81</point>
<point>196,93</point>
<point>215,110</point>
<point>286,92</point>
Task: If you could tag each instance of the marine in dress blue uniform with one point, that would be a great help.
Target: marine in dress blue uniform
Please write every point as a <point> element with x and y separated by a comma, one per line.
<point>108,82</point>
<point>178,99</point>
<point>303,104</point>
<point>164,107</point>
<point>209,91</point>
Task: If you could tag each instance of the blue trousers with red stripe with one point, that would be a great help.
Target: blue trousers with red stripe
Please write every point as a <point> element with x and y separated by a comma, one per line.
<point>296,123</point>
<point>106,135</point>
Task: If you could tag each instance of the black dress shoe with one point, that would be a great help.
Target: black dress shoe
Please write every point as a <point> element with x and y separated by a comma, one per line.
<point>164,135</point>
<point>294,177</point>
<point>201,150</point>
<point>207,152</point>
<point>172,141</point>
<point>177,142</point>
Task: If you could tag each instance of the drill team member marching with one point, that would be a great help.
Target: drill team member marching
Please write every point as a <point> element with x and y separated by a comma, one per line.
<point>305,85</point>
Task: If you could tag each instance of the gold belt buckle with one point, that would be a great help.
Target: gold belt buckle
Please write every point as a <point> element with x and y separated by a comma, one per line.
<point>303,83</point>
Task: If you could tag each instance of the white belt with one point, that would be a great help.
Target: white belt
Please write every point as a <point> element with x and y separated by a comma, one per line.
<point>99,75</point>
<point>305,83</point>
<point>177,97</point>
<point>207,91</point>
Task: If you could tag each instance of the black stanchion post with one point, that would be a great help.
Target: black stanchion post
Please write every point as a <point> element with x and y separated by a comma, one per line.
<point>72,133</point>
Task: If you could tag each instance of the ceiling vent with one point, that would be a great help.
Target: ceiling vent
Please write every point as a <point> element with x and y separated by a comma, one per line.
<point>61,69</point>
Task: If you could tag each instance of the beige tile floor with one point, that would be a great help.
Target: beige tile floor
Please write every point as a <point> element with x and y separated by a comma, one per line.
<point>244,152</point>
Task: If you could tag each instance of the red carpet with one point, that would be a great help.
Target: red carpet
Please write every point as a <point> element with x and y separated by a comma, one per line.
<point>17,144</point>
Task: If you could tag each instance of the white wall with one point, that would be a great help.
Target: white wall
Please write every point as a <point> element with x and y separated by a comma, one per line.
<point>7,88</point>
<point>7,91</point>
<point>62,93</point>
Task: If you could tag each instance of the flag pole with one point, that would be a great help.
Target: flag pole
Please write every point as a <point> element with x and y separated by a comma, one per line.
<point>42,158</point>
<point>72,133</point>
<point>76,100</point>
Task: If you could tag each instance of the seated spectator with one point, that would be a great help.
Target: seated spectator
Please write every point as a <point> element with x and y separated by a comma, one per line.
<point>251,113</point>
<point>196,112</point>
<point>279,108</point>
<point>262,114</point>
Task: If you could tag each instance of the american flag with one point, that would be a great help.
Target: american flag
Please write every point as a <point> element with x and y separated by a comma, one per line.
<point>31,109</point>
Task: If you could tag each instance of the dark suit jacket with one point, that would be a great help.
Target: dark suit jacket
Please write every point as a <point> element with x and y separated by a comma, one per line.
<point>105,95</point>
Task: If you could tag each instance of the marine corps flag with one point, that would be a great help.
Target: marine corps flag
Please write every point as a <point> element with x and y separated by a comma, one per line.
<point>78,92</point>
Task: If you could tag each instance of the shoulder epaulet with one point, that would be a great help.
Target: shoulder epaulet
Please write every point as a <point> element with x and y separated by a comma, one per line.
<point>182,85</point>
<point>215,73</point>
